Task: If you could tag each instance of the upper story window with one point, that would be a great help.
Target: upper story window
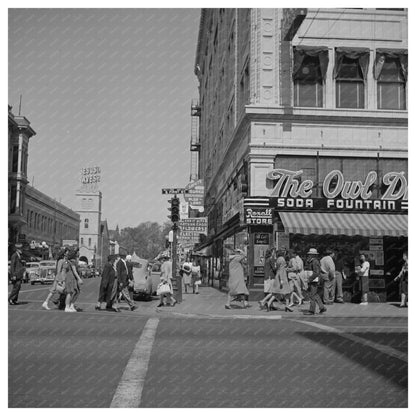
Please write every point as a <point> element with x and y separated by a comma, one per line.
<point>309,73</point>
<point>390,71</point>
<point>15,159</point>
<point>350,74</point>
<point>86,221</point>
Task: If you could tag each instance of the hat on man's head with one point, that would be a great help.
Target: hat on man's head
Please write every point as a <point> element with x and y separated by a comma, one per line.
<point>313,251</point>
<point>18,245</point>
<point>128,257</point>
<point>186,268</point>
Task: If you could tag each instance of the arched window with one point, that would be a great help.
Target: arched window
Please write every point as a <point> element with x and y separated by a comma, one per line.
<point>86,221</point>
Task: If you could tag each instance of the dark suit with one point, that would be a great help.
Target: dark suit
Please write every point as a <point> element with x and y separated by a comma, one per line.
<point>314,265</point>
<point>108,277</point>
<point>17,270</point>
<point>123,280</point>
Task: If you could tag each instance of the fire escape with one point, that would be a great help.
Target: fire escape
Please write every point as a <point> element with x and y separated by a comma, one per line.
<point>195,143</point>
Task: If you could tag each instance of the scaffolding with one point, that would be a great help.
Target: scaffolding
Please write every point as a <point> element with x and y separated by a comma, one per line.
<point>195,143</point>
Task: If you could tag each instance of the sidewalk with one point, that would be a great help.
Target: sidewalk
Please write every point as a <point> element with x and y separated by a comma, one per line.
<point>210,302</point>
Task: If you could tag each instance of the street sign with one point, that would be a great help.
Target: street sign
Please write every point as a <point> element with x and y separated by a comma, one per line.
<point>174,191</point>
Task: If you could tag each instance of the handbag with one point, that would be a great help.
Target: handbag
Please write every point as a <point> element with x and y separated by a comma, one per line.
<point>268,284</point>
<point>198,282</point>
<point>60,287</point>
<point>163,289</point>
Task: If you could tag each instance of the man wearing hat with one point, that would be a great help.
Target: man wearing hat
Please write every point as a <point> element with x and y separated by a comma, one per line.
<point>123,281</point>
<point>314,270</point>
<point>17,270</point>
<point>328,275</point>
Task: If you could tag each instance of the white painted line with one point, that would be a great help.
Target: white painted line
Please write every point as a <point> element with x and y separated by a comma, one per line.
<point>379,347</point>
<point>130,388</point>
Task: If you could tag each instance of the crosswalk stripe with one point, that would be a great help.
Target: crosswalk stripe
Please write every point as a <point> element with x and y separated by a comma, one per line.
<point>130,388</point>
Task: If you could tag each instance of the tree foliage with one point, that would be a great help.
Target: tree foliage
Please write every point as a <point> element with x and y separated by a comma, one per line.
<point>147,240</point>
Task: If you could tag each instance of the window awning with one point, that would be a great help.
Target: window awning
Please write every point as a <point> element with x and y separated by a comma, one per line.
<point>345,223</point>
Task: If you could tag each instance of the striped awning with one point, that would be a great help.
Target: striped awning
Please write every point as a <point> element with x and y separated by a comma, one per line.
<point>344,223</point>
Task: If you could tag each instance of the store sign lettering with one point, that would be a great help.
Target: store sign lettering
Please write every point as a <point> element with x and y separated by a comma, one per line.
<point>254,216</point>
<point>334,186</point>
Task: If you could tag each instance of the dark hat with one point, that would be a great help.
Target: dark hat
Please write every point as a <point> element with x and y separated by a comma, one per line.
<point>186,268</point>
<point>111,257</point>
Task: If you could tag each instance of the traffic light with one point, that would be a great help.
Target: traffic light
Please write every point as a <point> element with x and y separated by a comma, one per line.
<point>174,210</point>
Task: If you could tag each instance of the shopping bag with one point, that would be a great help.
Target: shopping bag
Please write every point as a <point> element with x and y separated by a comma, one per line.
<point>163,289</point>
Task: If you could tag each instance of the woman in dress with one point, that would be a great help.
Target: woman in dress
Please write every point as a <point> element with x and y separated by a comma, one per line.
<point>269,276</point>
<point>186,272</point>
<point>402,277</point>
<point>236,281</point>
<point>72,280</point>
<point>196,276</point>
<point>281,286</point>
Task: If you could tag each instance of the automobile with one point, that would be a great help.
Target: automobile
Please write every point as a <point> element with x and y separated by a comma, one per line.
<point>85,271</point>
<point>45,273</point>
<point>155,276</point>
<point>142,284</point>
<point>31,266</point>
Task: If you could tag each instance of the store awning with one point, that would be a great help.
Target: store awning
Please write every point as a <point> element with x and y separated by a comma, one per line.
<point>344,223</point>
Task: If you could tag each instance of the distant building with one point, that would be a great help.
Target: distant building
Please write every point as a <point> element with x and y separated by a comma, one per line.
<point>35,219</point>
<point>48,221</point>
<point>93,236</point>
<point>19,133</point>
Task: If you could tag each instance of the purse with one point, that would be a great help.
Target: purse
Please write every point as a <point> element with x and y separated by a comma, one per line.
<point>198,282</point>
<point>60,287</point>
<point>163,289</point>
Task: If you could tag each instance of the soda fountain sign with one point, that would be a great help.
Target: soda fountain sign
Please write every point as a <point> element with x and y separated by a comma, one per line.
<point>290,192</point>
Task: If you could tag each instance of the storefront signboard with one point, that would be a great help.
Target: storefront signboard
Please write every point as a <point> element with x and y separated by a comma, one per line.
<point>258,216</point>
<point>289,185</point>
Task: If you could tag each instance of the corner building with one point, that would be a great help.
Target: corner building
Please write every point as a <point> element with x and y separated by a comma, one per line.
<point>303,134</point>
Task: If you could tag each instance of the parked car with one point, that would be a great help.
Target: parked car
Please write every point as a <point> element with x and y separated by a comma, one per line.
<point>85,271</point>
<point>155,277</point>
<point>45,273</point>
<point>31,266</point>
<point>142,289</point>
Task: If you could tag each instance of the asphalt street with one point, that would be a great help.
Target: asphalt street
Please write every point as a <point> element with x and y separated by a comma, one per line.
<point>102,359</point>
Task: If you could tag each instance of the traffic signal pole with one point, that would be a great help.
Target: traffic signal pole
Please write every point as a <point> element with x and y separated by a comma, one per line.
<point>178,279</point>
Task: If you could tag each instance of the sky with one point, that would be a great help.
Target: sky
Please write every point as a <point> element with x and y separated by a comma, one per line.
<point>109,88</point>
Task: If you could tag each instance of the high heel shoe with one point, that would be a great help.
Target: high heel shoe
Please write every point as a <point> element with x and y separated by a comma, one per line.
<point>267,307</point>
<point>227,307</point>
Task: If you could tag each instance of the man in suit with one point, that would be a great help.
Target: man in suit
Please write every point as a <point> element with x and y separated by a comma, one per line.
<point>123,281</point>
<point>313,267</point>
<point>17,270</point>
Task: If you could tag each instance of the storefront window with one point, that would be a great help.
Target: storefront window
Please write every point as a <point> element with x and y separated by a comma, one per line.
<point>13,199</point>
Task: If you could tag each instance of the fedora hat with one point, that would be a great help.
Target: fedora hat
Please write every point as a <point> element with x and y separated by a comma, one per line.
<point>313,251</point>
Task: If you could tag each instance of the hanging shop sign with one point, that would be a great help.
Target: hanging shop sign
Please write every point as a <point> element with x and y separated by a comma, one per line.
<point>190,230</point>
<point>290,193</point>
<point>258,216</point>
<point>195,194</point>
